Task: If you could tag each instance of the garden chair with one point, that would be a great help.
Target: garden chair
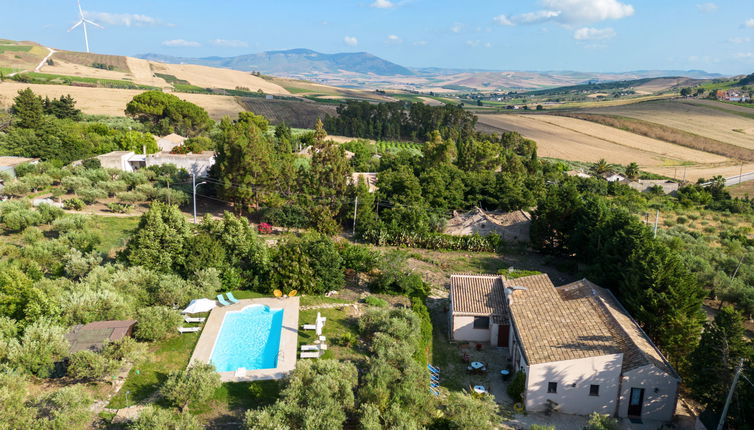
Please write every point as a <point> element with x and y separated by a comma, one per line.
<point>230,297</point>
<point>222,300</point>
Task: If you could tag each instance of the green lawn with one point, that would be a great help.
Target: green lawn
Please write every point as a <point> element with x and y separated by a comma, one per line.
<point>145,378</point>
<point>115,231</point>
<point>339,323</point>
<point>14,48</point>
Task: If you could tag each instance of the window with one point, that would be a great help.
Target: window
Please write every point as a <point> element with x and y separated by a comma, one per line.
<point>552,387</point>
<point>594,390</point>
<point>482,322</point>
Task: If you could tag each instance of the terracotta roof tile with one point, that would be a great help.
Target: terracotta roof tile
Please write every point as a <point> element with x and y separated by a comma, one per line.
<point>477,295</point>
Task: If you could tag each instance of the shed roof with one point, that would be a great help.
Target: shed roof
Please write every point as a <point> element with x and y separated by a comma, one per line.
<point>94,335</point>
<point>481,295</point>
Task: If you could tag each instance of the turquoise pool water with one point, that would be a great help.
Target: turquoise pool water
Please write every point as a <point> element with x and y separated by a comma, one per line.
<point>249,338</point>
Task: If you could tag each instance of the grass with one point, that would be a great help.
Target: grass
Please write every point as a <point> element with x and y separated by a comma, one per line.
<point>339,324</point>
<point>238,397</point>
<point>145,378</point>
<point>115,231</point>
<point>46,78</point>
<point>14,48</point>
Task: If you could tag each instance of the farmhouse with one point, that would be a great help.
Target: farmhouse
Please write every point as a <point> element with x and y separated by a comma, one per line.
<point>167,143</point>
<point>9,164</point>
<point>577,345</point>
<point>646,185</point>
<point>510,226</point>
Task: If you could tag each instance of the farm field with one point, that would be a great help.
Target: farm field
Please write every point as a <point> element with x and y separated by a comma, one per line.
<point>578,140</point>
<point>110,101</point>
<point>298,114</point>
<point>689,115</point>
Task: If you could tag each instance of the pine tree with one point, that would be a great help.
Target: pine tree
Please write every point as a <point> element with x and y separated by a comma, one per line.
<point>28,108</point>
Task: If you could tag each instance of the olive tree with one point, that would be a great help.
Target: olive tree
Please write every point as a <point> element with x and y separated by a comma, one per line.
<point>195,384</point>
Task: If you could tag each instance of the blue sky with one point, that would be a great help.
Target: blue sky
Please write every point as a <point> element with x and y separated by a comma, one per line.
<point>583,35</point>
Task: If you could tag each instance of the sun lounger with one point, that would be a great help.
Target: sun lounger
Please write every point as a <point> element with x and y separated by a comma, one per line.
<point>194,320</point>
<point>230,297</point>
<point>310,327</point>
<point>222,300</point>
<point>310,347</point>
<point>189,329</point>
<point>311,354</point>
<point>433,369</point>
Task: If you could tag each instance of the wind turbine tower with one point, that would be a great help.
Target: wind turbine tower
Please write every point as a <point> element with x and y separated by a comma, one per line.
<point>82,22</point>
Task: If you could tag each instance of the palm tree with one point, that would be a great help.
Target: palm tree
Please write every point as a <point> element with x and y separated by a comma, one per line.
<point>632,171</point>
<point>601,167</point>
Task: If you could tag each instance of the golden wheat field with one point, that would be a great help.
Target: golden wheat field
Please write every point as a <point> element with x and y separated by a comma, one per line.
<point>110,101</point>
<point>705,120</point>
<point>579,140</point>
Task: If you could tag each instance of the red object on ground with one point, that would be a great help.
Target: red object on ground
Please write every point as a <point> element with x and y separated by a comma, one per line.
<point>264,228</point>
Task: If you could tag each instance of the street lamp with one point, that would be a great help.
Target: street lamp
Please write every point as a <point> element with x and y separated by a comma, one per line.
<point>193,186</point>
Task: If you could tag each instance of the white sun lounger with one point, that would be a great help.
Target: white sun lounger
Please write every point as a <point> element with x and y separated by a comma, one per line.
<point>189,329</point>
<point>310,347</point>
<point>194,320</point>
<point>310,327</point>
<point>311,354</point>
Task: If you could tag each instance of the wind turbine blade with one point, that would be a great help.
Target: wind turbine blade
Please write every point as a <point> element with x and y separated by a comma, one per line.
<point>76,25</point>
<point>81,12</point>
<point>93,23</point>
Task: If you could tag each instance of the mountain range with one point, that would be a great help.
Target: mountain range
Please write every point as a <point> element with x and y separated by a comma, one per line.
<point>364,70</point>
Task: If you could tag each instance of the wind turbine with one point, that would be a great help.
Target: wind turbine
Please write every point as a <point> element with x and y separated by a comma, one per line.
<point>83,21</point>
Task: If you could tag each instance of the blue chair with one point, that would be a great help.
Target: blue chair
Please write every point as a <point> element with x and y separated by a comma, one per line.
<point>433,369</point>
<point>434,392</point>
<point>230,297</point>
<point>222,300</point>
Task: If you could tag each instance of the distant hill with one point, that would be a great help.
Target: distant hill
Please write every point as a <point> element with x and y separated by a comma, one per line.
<point>295,62</point>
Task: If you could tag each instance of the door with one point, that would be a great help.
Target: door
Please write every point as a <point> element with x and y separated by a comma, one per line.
<point>635,402</point>
<point>503,332</point>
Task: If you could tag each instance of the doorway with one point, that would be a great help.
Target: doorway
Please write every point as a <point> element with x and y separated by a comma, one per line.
<point>635,402</point>
<point>503,332</point>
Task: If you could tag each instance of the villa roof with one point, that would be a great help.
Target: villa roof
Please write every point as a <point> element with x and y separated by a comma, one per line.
<point>552,328</point>
<point>94,335</point>
<point>638,349</point>
<point>481,295</point>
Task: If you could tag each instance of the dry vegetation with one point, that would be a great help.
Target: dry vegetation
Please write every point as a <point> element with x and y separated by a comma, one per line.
<point>110,101</point>
<point>87,59</point>
<point>690,116</point>
<point>212,77</point>
<point>668,134</point>
<point>298,114</point>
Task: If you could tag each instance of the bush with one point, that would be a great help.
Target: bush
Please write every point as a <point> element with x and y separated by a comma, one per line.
<point>91,163</point>
<point>20,219</point>
<point>88,364</point>
<point>264,228</point>
<point>148,190</point>
<point>346,339</point>
<point>359,258</point>
<point>682,220</point>
<point>154,418</point>
<point>286,216</point>
<point>42,345</point>
<point>156,323</point>
<point>130,196</point>
<point>376,301</point>
<point>49,213</point>
<point>70,222</point>
<point>193,385</point>
<point>517,386</point>
<point>172,196</point>
<point>90,195</point>
<point>601,422</point>
<point>120,208</point>
<point>474,243</point>
<point>16,188</point>
<point>37,182</point>
<point>74,204</point>
<point>75,183</point>
<point>112,187</point>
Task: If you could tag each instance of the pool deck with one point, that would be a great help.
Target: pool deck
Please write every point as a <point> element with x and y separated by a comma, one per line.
<point>288,339</point>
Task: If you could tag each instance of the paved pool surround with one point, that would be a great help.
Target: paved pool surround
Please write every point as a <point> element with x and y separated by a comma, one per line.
<point>288,339</point>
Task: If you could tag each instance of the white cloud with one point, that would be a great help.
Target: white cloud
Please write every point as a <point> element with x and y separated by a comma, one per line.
<point>749,23</point>
<point>488,45</point>
<point>123,19</point>
<point>535,17</point>
<point>230,43</point>
<point>383,4</point>
<point>472,43</point>
<point>707,7</point>
<point>589,33</point>
<point>180,43</point>
<point>739,40</point>
<point>457,27</point>
<point>393,39</point>
<point>351,41</point>
<point>586,11</point>
<point>421,43</point>
<point>745,55</point>
<point>503,20</point>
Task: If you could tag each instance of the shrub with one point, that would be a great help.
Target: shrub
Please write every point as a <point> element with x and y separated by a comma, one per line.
<point>172,196</point>
<point>91,163</point>
<point>69,223</point>
<point>154,418</point>
<point>130,196</point>
<point>74,204</point>
<point>36,182</point>
<point>156,323</point>
<point>474,243</point>
<point>148,190</point>
<point>601,422</point>
<point>286,216</point>
<point>517,386</point>
<point>88,364</point>
<point>112,187</point>
<point>49,213</point>
<point>264,228</point>
<point>21,219</point>
<point>75,183</point>
<point>90,195</point>
<point>376,301</point>
<point>359,258</point>
<point>195,384</point>
<point>16,188</point>
<point>120,208</point>
<point>31,235</point>
<point>681,220</point>
<point>42,345</point>
<point>346,339</point>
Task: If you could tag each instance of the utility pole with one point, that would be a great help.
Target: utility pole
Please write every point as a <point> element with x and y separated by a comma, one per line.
<point>737,267</point>
<point>657,218</point>
<point>741,173</point>
<point>193,187</point>
<point>721,423</point>
<point>355,208</point>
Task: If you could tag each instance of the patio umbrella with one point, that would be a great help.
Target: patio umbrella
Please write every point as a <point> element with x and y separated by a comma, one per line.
<point>199,305</point>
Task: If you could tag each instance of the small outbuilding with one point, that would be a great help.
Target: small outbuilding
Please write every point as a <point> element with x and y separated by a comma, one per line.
<point>8,164</point>
<point>510,226</point>
<point>93,336</point>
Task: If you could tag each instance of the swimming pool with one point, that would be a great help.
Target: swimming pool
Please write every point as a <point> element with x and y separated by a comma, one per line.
<point>249,338</point>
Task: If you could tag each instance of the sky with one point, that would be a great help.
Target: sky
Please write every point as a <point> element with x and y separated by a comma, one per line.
<point>541,35</point>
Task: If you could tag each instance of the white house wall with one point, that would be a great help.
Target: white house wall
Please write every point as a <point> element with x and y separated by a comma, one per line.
<point>463,330</point>
<point>656,406</point>
<point>603,371</point>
